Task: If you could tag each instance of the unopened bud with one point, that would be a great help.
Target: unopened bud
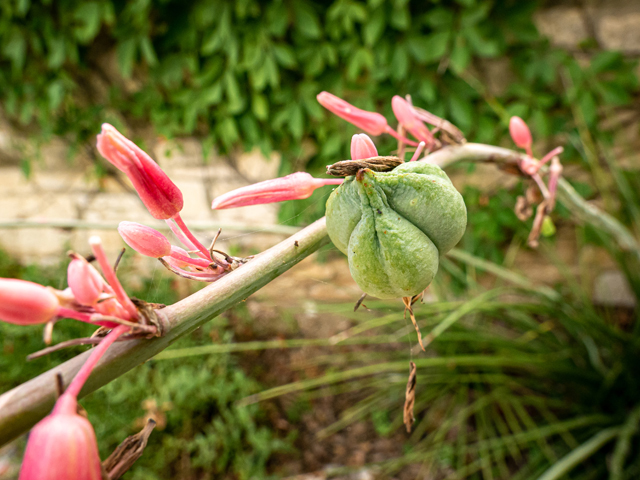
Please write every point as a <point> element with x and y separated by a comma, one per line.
<point>62,446</point>
<point>408,119</point>
<point>520,133</point>
<point>144,240</point>
<point>26,303</point>
<point>371,122</point>
<point>292,187</point>
<point>159,194</point>
<point>85,282</point>
<point>362,147</point>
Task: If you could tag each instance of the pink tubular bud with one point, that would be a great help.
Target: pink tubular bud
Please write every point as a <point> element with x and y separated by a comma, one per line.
<point>371,122</point>
<point>292,187</point>
<point>520,133</point>
<point>362,147</point>
<point>158,193</point>
<point>62,445</point>
<point>26,303</point>
<point>144,240</point>
<point>85,282</point>
<point>404,113</point>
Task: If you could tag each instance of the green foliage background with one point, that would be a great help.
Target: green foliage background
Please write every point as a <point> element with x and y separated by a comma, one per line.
<point>243,74</point>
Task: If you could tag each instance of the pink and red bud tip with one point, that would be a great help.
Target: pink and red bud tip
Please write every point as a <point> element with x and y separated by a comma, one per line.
<point>158,193</point>
<point>85,282</point>
<point>292,187</point>
<point>62,446</point>
<point>371,122</point>
<point>144,240</point>
<point>520,134</point>
<point>404,113</point>
<point>26,303</point>
<point>362,147</point>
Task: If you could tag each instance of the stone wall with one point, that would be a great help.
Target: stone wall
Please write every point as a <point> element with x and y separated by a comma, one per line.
<point>59,190</point>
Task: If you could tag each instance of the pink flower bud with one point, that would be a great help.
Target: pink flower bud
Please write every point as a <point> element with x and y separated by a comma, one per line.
<point>62,445</point>
<point>371,122</point>
<point>520,133</point>
<point>362,147</point>
<point>85,282</point>
<point>26,303</point>
<point>159,194</point>
<point>292,187</point>
<point>144,240</point>
<point>404,113</point>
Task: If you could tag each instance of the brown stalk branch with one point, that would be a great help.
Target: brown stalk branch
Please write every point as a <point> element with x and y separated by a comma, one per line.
<point>26,404</point>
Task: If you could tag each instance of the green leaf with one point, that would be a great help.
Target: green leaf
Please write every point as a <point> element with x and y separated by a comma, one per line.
<point>307,23</point>
<point>260,106</point>
<point>579,455</point>
<point>15,49</point>
<point>148,53</point>
<point>285,55</point>
<point>55,92</point>
<point>587,106</point>
<point>429,49</point>
<point>460,56</point>
<point>56,52</point>
<point>461,112</point>
<point>88,17</point>
<point>400,18</point>
<point>604,61</point>
<point>372,30</point>
<point>211,95</point>
<point>235,100</point>
<point>439,18</point>
<point>126,52</point>
<point>399,62</point>
<point>296,121</point>
<point>361,60</point>
<point>485,47</point>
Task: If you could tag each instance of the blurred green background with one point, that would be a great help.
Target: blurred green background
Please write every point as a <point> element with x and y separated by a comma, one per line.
<point>521,381</point>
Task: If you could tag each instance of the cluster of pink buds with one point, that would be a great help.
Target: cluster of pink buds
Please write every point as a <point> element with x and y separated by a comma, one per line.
<point>164,201</point>
<point>301,185</point>
<point>63,445</point>
<point>529,165</point>
<point>89,298</point>
<point>411,119</point>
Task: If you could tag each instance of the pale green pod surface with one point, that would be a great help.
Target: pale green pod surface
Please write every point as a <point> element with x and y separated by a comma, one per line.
<point>343,213</point>
<point>388,256</point>
<point>393,226</point>
<point>424,195</point>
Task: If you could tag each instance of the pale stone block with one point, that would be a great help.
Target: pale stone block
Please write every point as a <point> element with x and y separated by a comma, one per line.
<point>564,26</point>
<point>620,31</point>
<point>611,288</point>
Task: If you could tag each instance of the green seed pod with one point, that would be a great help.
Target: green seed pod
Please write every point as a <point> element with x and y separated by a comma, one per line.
<point>393,226</point>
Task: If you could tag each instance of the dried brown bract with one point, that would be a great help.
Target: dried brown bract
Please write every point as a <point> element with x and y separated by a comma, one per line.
<point>410,398</point>
<point>346,168</point>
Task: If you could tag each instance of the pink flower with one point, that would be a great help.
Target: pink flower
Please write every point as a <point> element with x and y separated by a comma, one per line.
<point>144,240</point>
<point>371,122</point>
<point>292,187</point>
<point>362,147</point>
<point>404,113</point>
<point>85,282</point>
<point>158,193</point>
<point>521,134</point>
<point>62,446</point>
<point>26,303</point>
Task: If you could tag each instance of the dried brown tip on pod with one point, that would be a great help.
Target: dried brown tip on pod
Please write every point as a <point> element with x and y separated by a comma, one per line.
<point>410,398</point>
<point>347,168</point>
